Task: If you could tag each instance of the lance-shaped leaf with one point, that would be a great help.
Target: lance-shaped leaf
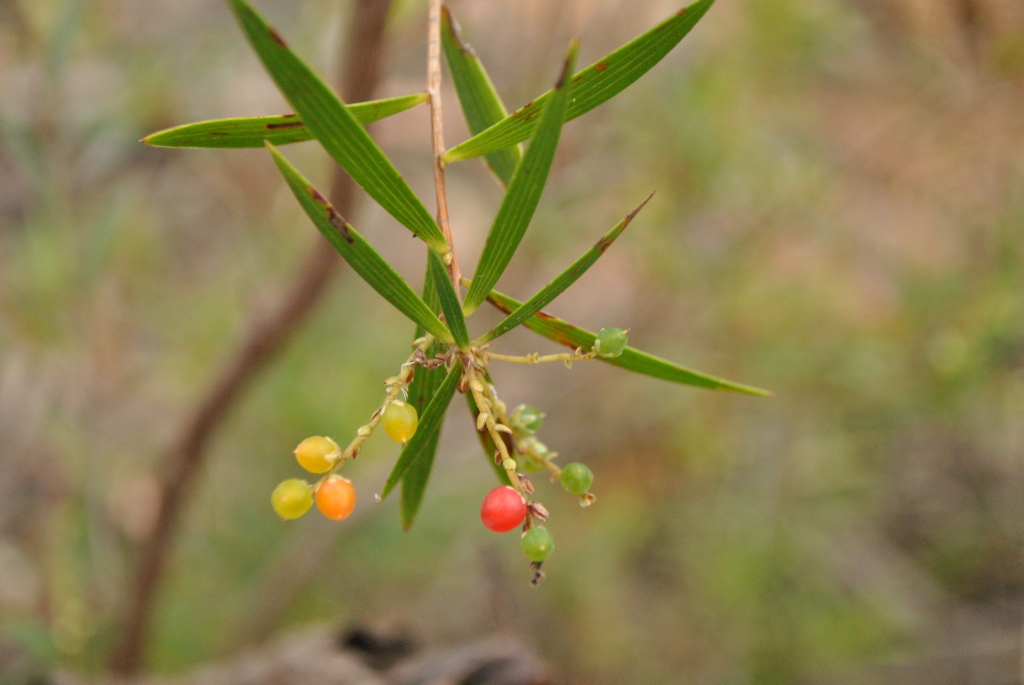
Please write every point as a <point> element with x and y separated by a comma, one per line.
<point>279,130</point>
<point>632,359</point>
<point>360,255</point>
<point>427,431</point>
<point>548,293</point>
<point>423,387</point>
<point>414,482</point>
<point>481,104</point>
<point>450,304</point>
<point>524,191</point>
<point>596,84</point>
<point>331,122</point>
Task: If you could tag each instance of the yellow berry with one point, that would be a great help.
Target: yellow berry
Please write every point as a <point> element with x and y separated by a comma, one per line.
<point>291,498</point>
<point>317,454</point>
<point>400,420</point>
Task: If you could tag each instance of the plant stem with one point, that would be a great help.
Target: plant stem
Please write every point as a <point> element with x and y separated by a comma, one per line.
<point>477,387</point>
<point>437,136</point>
<point>535,358</point>
<point>364,432</point>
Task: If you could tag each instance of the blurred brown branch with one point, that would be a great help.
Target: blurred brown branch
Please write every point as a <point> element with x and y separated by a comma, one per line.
<point>360,74</point>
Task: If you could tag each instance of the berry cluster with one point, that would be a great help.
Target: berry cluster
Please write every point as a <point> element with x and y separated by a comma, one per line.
<point>335,496</point>
<point>511,438</point>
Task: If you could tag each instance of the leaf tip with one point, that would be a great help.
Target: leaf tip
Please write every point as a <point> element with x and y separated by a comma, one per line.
<point>750,390</point>
<point>451,26</point>
<point>639,207</point>
<point>570,63</point>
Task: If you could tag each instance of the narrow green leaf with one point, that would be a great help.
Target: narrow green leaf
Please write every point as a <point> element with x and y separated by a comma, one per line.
<point>360,255</point>
<point>432,299</point>
<point>524,191</point>
<point>481,104</point>
<point>566,334</point>
<point>450,304</point>
<point>487,442</point>
<point>596,84</point>
<point>279,130</point>
<point>428,429</point>
<point>414,482</point>
<point>548,293</point>
<point>424,386</point>
<point>333,124</point>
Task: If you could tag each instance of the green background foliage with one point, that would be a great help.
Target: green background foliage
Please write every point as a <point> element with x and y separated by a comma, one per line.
<point>838,218</point>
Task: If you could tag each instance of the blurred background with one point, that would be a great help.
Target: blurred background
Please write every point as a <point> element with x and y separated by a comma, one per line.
<point>839,218</point>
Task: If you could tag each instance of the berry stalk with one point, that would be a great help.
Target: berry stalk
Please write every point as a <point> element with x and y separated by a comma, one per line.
<point>485,404</point>
<point>396,385</point>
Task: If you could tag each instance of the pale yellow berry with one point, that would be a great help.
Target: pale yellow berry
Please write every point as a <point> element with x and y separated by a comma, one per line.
<point>400,420</point>
<point>292,498</point>
<point>317,454</point>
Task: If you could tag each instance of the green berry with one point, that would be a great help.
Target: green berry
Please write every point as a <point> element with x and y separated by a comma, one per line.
<point>527,419</point>
<point>577,478</point>
<point>529,463</point>
<point>292,498</point>
<point>538,544</point>
<point>530,454</point>
<point>611,342</point>
<point>400,421</point>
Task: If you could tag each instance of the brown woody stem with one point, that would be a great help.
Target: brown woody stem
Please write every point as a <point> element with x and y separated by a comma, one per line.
<point>437,136</point>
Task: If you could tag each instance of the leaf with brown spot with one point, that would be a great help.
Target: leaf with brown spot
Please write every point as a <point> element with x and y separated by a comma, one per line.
<point>332,123</point>
<point>592,86</point>
<point>249,132</point>
<point>360,255</point>
<point>481,104</point>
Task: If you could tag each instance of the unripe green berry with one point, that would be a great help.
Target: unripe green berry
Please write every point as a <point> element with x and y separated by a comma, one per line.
<point>537,544</point>
<point>576,478</point>
<point>611,342</point>
<point>317,454</point>
<point>529,454</point>
<point>529,463</point>
<point>292,498</point>
<point>527,419</point>
<point>400,420</point>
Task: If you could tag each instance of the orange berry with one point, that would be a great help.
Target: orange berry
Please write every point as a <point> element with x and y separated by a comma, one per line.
<point>336,498</point>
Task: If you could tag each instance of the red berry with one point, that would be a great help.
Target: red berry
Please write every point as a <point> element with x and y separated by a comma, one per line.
<point>503,509</point>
